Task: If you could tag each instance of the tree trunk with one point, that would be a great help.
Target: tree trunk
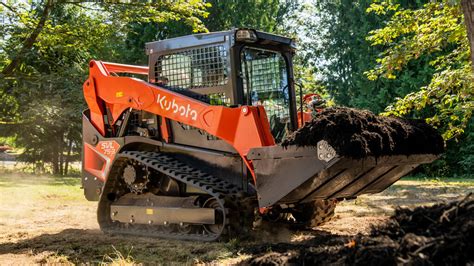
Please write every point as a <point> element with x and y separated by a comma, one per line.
<point>468,10</point>
<point>68,156</point>
<point>30,41</point>
<point>55,162</point>
<point>61,153</point>
<point>61,162</point>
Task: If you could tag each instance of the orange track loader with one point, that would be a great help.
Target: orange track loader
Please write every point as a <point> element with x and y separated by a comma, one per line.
<point>188,147</point>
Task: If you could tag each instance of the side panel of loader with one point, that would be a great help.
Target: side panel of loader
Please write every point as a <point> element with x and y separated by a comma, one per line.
<point>97,161</point>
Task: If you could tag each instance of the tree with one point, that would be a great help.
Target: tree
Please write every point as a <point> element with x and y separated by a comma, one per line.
<point>335,44</point>
<point>264,15</point>
<point>29,41</point>
<point>468,10</point>
<point>436,30</point>
<point>44,56</point>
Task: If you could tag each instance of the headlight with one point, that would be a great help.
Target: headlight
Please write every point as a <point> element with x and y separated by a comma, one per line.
<point>246,36</point>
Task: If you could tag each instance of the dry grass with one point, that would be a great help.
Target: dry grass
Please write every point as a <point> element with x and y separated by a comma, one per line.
<point>118,259</point>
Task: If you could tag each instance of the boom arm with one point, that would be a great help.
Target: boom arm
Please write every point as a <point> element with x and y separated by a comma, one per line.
<point>243,127</point>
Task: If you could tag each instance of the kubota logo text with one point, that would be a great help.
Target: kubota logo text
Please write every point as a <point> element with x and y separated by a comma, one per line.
<point>182,110</point>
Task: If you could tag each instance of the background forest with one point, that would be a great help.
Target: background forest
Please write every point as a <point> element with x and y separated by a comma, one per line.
<point>402,57</point>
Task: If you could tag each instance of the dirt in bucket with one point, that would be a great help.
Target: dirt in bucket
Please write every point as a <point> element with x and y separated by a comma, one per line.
<point>359,133</point>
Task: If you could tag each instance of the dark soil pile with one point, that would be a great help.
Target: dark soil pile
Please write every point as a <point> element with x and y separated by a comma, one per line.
<point>359,133</point>
<point>439,235</point>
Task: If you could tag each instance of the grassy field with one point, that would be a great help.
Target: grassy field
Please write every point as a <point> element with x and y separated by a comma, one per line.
<point>46,219</point>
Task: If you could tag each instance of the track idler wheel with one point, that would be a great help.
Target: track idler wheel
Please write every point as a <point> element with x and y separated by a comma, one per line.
<point>220,216</point>
<point>185,228</point>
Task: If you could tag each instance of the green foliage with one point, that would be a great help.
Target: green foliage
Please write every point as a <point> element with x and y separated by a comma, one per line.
<point>8,109</point>
<point>335,45</point>
<point>466,151</point>
<point>369,54</point>
<point>458,160</point>
<point>265,15</point>
<point>436,30</point>
<point>10,141</point>
<point>159,12</point>
<point>41,92</point>
<point>131,50</point>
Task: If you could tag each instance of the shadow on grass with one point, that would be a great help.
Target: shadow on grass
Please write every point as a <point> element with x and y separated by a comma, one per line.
<point>92,246</point>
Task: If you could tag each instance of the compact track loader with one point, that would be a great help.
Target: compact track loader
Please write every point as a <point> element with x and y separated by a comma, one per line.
<point>189,147</point>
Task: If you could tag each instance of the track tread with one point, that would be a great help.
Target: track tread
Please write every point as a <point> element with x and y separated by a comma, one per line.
<point>224,192</point>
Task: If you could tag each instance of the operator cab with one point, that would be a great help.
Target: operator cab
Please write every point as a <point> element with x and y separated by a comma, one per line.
<point>231,68</point>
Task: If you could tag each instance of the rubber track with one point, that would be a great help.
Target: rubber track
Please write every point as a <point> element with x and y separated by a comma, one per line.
<point>225,193</point>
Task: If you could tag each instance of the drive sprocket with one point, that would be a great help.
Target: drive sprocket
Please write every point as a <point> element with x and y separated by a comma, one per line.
<point>136,177</point>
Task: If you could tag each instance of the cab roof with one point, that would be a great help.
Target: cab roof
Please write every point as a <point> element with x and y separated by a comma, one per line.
<point>263,38</point>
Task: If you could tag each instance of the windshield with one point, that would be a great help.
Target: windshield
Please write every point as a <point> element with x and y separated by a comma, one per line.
<point>265,81</point>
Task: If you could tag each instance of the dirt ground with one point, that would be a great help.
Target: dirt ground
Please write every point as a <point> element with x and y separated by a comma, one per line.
<point>47,220</point>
